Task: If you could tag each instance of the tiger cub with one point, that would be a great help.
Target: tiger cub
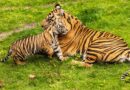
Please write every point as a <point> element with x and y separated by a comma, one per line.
<point>45,42</point>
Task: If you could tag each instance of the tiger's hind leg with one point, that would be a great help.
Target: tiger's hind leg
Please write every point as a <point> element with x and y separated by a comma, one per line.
<point>87,61</point>
<point>81,63</point>
<point>18,60</point>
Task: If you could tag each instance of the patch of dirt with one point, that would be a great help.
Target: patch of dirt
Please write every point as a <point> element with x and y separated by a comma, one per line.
<point>4,35</point>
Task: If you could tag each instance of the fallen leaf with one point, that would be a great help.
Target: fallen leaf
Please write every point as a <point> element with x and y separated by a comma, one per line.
<point>32,76</point>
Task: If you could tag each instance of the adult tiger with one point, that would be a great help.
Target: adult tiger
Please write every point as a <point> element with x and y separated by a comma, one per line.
<point>45,42</point>
<point>79,37</point>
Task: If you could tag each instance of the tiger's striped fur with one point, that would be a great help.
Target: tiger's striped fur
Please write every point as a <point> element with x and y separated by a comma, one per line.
<point>45,42</point>
<point>79,38</point>
<point>107,50</point>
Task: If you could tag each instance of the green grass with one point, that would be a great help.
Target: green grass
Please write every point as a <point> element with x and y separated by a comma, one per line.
<point>104,15</point>
<point>16,13</point>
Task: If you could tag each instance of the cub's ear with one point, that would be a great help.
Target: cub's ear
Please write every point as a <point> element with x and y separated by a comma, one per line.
<point>57,6</point>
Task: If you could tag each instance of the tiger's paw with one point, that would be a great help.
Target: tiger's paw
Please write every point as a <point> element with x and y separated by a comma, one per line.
<point>64,58</point>
<point>17,62</point>
<point>81,64</point>
<point>88,65</point>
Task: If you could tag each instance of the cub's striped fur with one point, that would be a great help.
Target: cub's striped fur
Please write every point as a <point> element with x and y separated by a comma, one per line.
<point>79,38</point>
<point>42,43</point>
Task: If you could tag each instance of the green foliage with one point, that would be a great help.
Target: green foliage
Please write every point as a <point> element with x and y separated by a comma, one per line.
<point>104,15</point>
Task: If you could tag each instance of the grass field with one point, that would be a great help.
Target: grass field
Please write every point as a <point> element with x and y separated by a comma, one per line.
<point>104,15</point>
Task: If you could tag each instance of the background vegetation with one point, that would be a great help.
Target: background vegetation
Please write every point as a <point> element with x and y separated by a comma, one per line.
<point>104,15</point>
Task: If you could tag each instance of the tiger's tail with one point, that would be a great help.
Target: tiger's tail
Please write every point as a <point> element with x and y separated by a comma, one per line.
<point>7,56</point>
<point>124,75</point>
<point>127,73</point>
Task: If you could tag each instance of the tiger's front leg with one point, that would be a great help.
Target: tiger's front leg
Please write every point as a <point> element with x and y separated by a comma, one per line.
<point>88,60</point>
<point>57,50</point>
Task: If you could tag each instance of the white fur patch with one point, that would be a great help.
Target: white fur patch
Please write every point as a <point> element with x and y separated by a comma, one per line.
<point>123,58</point>
<point>58,7</point>
<point>129,59</point>
<point>84,56</point>
<point>57,49</point>
<point>59,54</point>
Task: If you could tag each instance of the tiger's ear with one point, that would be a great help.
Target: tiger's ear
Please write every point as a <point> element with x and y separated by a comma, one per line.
<point>57,6</point>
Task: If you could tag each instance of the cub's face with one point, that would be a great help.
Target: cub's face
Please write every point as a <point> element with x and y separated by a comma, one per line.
<point>59,18</point>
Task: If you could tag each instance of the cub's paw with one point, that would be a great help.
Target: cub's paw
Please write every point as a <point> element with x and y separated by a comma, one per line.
<point>18,62</point>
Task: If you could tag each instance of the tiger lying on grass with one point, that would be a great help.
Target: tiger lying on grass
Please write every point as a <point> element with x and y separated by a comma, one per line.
<point>45,42</point>
<point>92,45</point>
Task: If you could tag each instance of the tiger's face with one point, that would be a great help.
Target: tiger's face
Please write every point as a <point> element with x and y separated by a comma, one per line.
<point>57,17</point>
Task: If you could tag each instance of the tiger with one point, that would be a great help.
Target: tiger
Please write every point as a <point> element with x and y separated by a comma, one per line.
<point>79,37</point>
<point>44,43</point>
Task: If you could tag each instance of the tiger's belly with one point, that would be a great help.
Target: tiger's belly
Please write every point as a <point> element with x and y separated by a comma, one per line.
<point>118,54</point>
<point>69,50</point>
